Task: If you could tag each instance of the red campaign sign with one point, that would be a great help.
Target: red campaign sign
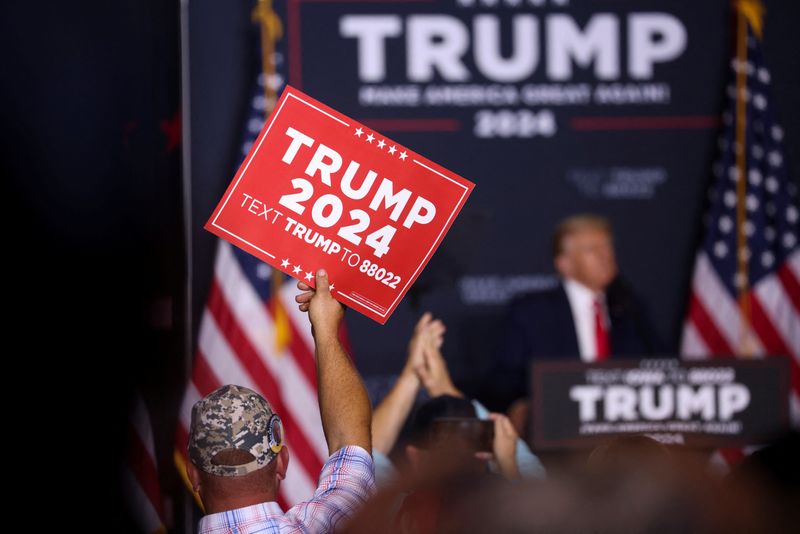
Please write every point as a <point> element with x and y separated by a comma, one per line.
<point>320,190</point>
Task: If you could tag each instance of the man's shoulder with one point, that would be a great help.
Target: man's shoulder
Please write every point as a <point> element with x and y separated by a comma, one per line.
<point>351,467</point>
<point>346,481</point>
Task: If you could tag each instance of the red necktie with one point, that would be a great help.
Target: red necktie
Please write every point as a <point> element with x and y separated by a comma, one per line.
<point>600,332</point>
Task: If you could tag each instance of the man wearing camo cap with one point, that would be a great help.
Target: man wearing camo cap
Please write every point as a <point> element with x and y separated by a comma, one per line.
<point>236,449</point>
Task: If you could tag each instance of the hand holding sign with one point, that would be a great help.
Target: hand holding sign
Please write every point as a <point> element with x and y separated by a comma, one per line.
<point>319,190</point>
<point>324,313</point>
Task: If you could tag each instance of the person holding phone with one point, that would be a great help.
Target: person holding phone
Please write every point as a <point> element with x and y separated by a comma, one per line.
<point>494,440</point>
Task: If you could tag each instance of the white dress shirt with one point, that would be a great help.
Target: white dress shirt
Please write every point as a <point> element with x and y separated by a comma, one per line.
<point>581,301</point>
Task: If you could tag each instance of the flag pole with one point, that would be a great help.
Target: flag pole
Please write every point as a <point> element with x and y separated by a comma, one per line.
<point>747,11</point>
<point>271,31</point>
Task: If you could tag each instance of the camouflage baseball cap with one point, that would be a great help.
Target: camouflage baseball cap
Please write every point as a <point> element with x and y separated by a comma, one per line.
<point>234,417</point>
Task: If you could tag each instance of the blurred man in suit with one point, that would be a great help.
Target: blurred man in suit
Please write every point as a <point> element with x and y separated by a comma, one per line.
<point>590,316</point>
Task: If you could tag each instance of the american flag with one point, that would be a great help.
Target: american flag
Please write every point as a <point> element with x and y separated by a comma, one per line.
<point>252,334</point>
<point>745,298</point>
<point>140,474</point>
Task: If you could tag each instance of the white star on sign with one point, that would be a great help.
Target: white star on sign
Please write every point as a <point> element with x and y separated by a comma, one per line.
<point>296,269</point>
<point>285,263</point>
<point>359,132</point>
<point>370,138</point>
<point>309,276</point>
<point>392,149</point>
<point>381,144</point>
<point>332,287</point>
<point>403,155</point>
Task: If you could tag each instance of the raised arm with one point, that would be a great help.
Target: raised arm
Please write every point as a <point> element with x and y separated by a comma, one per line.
<point>391,413</point>
<point>343,402</point>
<point>433,373</point>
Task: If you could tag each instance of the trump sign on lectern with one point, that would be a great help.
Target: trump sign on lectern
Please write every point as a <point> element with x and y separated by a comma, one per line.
<point>319,190</point>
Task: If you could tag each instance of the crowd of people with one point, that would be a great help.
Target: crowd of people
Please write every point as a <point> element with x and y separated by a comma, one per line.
<point>460,467</point>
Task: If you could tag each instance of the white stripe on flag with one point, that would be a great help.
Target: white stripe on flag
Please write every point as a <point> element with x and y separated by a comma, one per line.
<point>300,319</point>
<point>190,396</point>
<point>216,351</point>
<point>718,464</point>
<point>794,410</point>
<point>250,312</point>
<point>304,406</point>
<point>143,427</point>
<point>142,509</point>
<point>692,345</point>
<point>719,304</point>
<point>780,312</point>
<point>793,262</point>
<point>243,300</point>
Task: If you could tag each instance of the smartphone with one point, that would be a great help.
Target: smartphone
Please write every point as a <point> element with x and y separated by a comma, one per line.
<point>475,434</point>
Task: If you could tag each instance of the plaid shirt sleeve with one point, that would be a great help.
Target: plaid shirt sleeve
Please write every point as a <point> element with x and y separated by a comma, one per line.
<point>345,483</point>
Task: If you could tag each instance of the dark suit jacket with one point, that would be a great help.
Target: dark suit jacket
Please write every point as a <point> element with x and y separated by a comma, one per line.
<point>540,326</point>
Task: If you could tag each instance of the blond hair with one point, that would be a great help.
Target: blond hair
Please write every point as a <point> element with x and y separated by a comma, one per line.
<point>577,223</point>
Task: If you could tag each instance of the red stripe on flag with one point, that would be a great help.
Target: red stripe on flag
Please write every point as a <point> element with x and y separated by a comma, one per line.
<point>791,285</point>
<point>773,342</point>
<point>282,501</point>
<point>707,328</point>
<point>262,377</point>
<point>144,469</point>
<point>203,376</point>
<point>242,348</point>
<point>301,353</point>
<point>732,456</point>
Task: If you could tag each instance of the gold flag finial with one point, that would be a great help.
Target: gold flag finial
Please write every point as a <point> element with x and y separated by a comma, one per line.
<point>271,31</point>
<point>266,16</point>
<point>753,11</point>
